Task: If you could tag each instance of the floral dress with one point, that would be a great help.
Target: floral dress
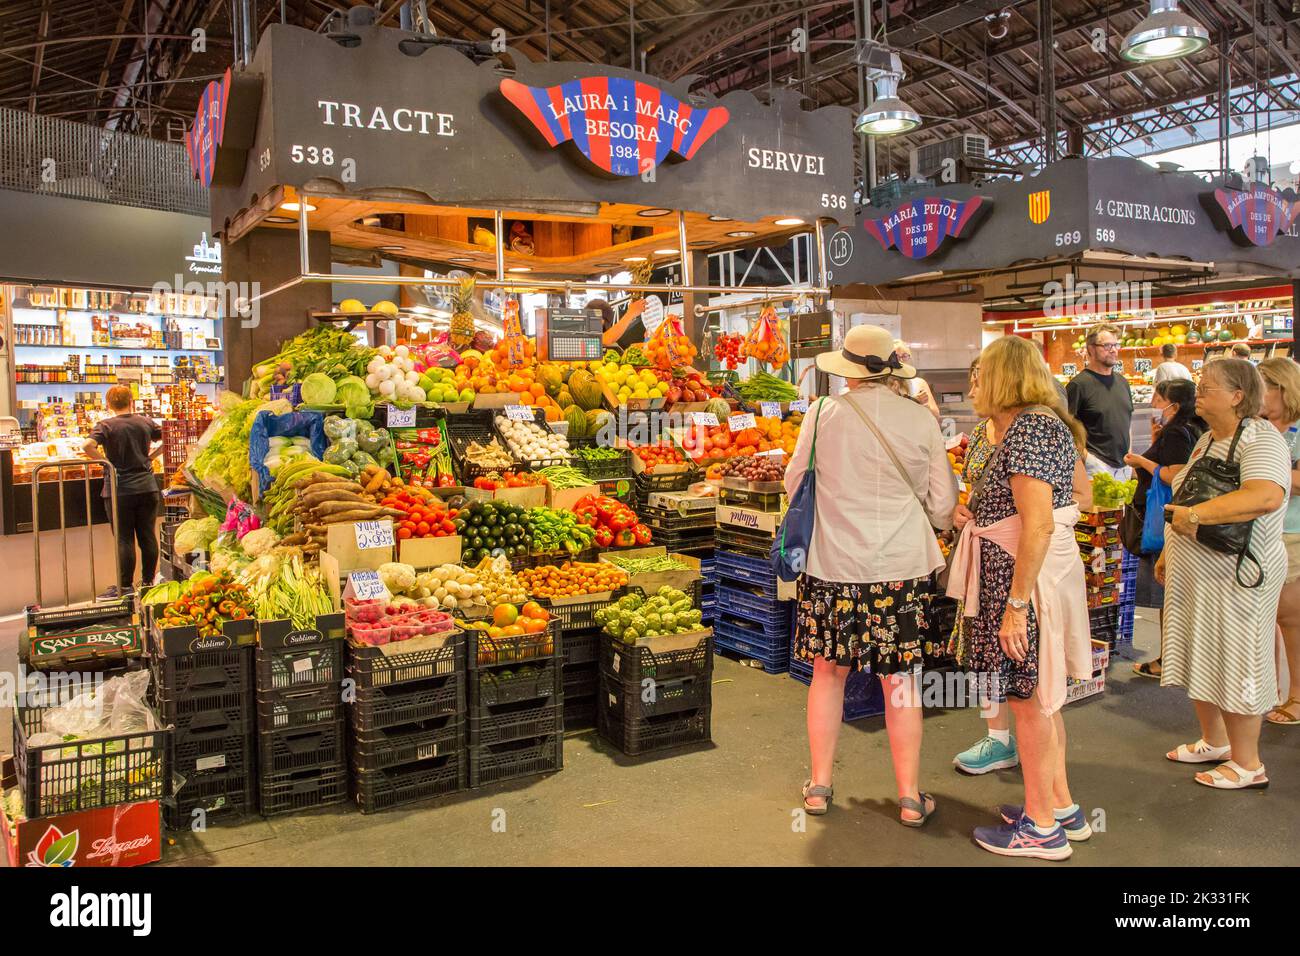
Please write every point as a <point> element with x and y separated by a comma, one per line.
<point>1039,446</point>
<point>978,454</point>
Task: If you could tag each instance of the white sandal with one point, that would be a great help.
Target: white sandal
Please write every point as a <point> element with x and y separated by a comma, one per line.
<point>1246,779</point>
<point>1200,752</point>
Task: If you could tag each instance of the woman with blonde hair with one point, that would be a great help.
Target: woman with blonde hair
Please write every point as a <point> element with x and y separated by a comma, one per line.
<point>1282,409</point>
<point>918,389</point>
<point>1220,617</point>
<point>1017,571</point>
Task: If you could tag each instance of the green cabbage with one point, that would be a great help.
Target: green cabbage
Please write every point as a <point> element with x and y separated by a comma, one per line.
<point>318,389</point>
<point>352,392</point>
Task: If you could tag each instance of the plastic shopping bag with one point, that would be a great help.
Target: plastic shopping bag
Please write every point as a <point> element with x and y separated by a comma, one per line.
<point>1153,525</point>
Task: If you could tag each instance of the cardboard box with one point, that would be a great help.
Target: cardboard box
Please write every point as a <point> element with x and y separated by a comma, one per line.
<point>430,552</point>
<point>128,834</point>
<point>674,642</point>
<point>534,496</point>
<point>563,499</point>
<point>341,543</point>
<point>496,400</point>
<point>652,581</point>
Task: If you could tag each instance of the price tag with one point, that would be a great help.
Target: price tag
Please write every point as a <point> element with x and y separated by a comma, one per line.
<point>1119,366</point>
<point>302,665</point>
<point>519,413</point>
<point>771,453</point>
<point>738,423</point>
<point>1197,364</point>
<point>374,534</point>
<point>799,406</point>
<point>366,585</point>
<point>1069,368</point>
<point>401,417</point>
<point>770,409</point>
<point>1142,364</point>
<point>704,418</point>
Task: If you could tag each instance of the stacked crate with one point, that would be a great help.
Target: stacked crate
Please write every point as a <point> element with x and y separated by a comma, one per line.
<point>175,512</point>
<point>516,705</point>
<point>301,743</point>
<point>657,694</point>
<point>708,586</point>
<point>1128,598</point>
<point>579,635</point>
<point>1097,534</point>
<point>749,618</point>
<point>203,688</point>
<point>408,720</point>
<point>687,524</point>
<point>1076,690</point>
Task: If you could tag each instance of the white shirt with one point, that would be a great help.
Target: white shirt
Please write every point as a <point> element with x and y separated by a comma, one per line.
<point>870,526</point>
<point>1168,371</point>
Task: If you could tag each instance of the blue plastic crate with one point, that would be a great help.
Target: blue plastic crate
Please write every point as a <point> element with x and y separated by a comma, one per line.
<point>761,609</point>
<point>773,660</point>
<point>863,696</point>
<point>1129,562</point>
<point>740,567</point>
<point>776,637</point>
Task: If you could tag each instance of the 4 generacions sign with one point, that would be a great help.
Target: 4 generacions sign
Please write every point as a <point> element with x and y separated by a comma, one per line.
<point>385,113</point>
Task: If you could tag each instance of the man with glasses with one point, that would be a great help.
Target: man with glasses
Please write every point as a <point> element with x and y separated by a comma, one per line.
<point>1101,400</point>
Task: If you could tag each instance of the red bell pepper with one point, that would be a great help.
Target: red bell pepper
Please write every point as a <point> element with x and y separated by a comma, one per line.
<point>641,533</point>
<point>621,519</point>
<point>604,538</point>
<point>624,538</point>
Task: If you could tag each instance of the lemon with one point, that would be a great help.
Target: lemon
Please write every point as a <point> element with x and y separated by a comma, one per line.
<point>351,305</point>
<point>385,307</point>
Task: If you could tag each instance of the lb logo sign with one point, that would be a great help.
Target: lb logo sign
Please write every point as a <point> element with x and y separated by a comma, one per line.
<point>623,126</point>
<point>209,127</point>
<point>1255,216</point>
<point>1040,206</point>
<point>920,227</point>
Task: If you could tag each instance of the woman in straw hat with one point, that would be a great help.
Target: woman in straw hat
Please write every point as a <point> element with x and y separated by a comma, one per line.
<point>883,484</point>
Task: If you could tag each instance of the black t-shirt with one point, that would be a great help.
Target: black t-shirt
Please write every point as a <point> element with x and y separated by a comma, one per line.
<point>1104,406</point>
<point>125,440</point>
<point>1173,447</point>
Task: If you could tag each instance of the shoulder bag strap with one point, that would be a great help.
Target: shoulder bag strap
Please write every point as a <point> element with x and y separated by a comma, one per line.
<point>812,454</point>
<point>888,448</point>
<point>1236,439</point>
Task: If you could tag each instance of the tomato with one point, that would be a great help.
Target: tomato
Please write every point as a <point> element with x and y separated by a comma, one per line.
<point>422,529</point>
<point>404,533</point>
<point>447,527</point>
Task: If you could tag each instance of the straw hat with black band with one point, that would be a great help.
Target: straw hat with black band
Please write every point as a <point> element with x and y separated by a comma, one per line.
<point>867,353</point>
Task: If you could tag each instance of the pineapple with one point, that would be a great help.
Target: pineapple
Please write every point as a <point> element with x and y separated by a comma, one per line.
<point>462,321</point>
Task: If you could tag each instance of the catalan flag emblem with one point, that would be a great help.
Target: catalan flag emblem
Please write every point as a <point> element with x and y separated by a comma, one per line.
<point>624,126</point>
<point>1040,206</point>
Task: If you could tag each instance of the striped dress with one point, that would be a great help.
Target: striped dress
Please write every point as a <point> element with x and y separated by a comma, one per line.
<point>1218,635</point>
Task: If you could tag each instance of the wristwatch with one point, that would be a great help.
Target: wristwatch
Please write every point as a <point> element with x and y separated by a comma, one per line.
<point>1017,604</point>
<point>1193,517</point>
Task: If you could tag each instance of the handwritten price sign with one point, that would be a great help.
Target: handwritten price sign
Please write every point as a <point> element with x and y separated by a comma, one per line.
<point>374,534</point>
<point>738,423</point>
<point>366,585</point>
<point>519,413</point>
<point>771,453</point>
<point>769,409</point>
<point>401,417</point>
<point>799,406</point>
<point>704,418</point>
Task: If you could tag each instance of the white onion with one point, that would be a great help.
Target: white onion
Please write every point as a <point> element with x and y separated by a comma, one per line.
<point>402,350</point>
<point>372,381</point>
<point>417,394</point>
<point>375,365</point>
<point>387,389</point>
<point>412,378</point>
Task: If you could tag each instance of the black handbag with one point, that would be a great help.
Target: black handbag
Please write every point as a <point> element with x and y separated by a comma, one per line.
<point>1209,478</point>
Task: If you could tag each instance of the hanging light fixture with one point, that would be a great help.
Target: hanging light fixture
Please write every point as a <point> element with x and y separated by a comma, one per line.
<point>1166,34</point>
<point>888,114</point>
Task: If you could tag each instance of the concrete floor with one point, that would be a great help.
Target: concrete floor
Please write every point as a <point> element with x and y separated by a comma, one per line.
<point>731,803</point>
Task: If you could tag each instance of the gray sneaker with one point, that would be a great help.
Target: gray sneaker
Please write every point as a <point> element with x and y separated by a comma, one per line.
<point>112,594</point>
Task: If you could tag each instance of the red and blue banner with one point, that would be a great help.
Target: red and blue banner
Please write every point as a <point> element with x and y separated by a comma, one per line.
<point>624,126</point>
<point>1258,215</point>
<point>204,137</point>
<point>919,228</point>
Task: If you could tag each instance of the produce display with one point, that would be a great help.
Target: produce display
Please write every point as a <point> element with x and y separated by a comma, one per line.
<point>594,453</point>
<point>616,525</point>
<point>490,456</point>
<point>689,387</point>
<point>572,579</point>
<point>355,444</point>
<point>450,586</point>
<point>1110,493</point>
<point>563,477</point>
<point>325,350</point>
<point>321,499</point>
<point>495,481</point>
<point>421,513</point>
<point>392,375</point>
<point>284,451</point>
<point>550,531</point>
<point>650,565</point>
<point>729,350</point>
<point>424,457</point>
<point>509,621</point>
<point>754,468</point>
<point>632,617</point>
<point>654,456</point>
<point>493,528</point>
<point>500,584</point>
<point>528,441</point>
<point>630,382</point>
<point>764,387</point>
<point>206,601</point>
<point>295,591</point>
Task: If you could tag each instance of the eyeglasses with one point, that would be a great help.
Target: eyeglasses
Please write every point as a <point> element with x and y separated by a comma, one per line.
<point>1112,347</point>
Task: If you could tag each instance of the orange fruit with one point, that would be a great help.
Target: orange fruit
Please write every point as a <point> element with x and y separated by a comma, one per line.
<point>533,626</point>
<point>514,630</point>
<point>504,615</point>
<point>534,610</point>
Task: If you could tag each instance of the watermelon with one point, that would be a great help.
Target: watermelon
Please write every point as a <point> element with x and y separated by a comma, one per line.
<point>1225,335</point>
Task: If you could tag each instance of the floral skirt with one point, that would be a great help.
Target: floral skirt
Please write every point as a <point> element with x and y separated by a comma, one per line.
<point>883,627</point>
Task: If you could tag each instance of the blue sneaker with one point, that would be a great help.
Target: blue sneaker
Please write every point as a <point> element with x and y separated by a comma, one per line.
<point>1023,839</point>
<point>1075,825</point>
<point>987,754</point>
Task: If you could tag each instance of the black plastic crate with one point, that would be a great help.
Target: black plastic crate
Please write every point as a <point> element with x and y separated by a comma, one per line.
<point>299,668</point>
<point>609,469</point>
<point>86,774</point>
<point>656,733</point>
<point>180,711</point>
<point>634,664</point>
<point>379,707</point>
<point>302,790</point>
<point>226,793</point>
<point>579,713</point>
<point>282,710</point>
<point>518,758</point>
<point>576,617</point>
<point>199,755</point>
<point>670,520</point>
<point>205,674</point>
<point>648,481</point>
<point>407,743</point>
<point>581,647</point>
<point>376,790</point>
<point>582,680</point>
<point>638,700</point>
<point>754,544</point>
<point>370,667</point>
<point>508,685</point>
<point>301,748</point>
<point>756,500</point>
<point>505,722</point>
<point>236,719</point>
<point>483,651</point>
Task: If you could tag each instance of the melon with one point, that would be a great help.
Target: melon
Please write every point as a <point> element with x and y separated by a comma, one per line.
<point>1225,335</point>
<point>720,408</point>
<point>596,419</point>
<point>585,391</point>
<point>577,420</point>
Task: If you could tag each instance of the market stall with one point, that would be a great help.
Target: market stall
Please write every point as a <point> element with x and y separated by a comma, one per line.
<point>499,537</point>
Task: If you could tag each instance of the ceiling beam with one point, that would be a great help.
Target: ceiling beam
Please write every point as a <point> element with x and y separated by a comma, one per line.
<point>43,33</point>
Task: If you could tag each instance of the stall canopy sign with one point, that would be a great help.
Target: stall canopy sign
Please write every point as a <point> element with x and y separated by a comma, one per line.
<point>919,228</point>
<point>624,126</point>
<point>209,127</point>
<point>1256,215</point>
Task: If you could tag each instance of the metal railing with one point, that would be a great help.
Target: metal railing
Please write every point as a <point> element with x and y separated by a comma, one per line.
<point>43,154</point>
